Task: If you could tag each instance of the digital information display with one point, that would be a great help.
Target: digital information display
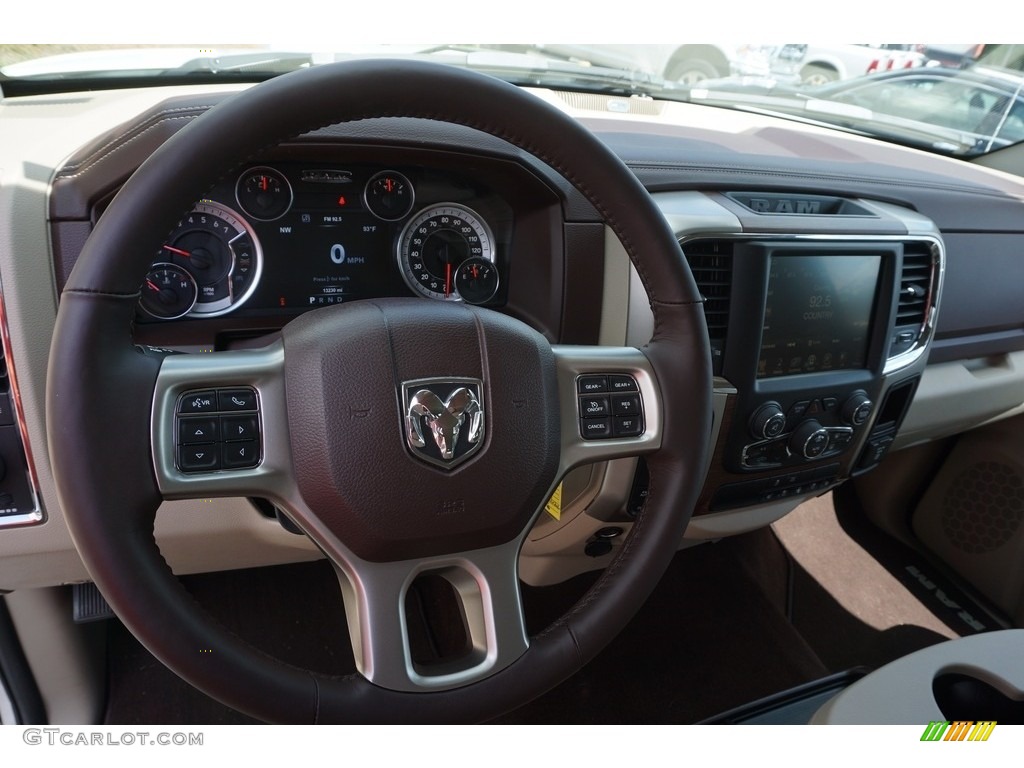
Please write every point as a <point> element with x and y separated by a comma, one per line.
<point>818,314</point>
<point>318,259</point>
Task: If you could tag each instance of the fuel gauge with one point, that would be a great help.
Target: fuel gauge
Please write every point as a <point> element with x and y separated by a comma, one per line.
<point>476,280</point>
<point>389,196</point>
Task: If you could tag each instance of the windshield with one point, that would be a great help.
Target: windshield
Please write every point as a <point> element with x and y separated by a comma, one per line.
<point>958,99</point>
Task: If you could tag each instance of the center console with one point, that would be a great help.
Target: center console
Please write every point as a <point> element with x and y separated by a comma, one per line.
<point>819,321</point>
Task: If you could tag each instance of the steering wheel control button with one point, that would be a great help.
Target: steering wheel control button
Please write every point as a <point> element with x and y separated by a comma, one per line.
<point>236,399</point>
<point>224,439</point>
<point>596,429</point>
<point>198,402</point>
<point>593,407</point>
<point>586,385</point>
<point>622,384</point>
<point>627,426</point>
<point>234,428</point>
<point>195,430</point>
<point>199,458</point>
<point>605,414</point>
<point>240,455</point>
<point>626,405</point>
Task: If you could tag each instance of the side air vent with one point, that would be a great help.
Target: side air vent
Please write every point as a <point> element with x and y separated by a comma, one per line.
<point>711,264</point>
<point>916,285</point>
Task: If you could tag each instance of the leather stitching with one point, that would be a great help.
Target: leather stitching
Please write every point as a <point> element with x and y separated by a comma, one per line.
<point>119,143</point>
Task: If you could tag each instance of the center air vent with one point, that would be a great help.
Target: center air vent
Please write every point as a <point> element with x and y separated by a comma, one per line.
<point>916,285</point>
<point>711,264</point>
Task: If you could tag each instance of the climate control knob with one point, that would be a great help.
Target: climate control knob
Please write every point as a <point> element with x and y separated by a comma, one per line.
<point>768,421</point>
<point>809,440</point>
<point>857,409</point>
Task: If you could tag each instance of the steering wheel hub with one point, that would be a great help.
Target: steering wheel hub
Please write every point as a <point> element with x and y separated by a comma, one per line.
<point>346,369</point>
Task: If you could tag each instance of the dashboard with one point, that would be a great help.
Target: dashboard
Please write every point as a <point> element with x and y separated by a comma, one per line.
<point>845,287</point>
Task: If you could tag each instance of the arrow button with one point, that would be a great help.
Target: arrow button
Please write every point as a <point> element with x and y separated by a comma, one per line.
<point>202,457</point>
<point>234,428</point>
<point>198,430</point>
<point>239,455</point>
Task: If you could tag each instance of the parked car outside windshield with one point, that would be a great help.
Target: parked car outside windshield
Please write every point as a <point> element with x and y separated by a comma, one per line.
<point>893,92</point>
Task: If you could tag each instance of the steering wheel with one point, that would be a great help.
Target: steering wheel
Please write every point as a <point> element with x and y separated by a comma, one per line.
<point>338,450</point>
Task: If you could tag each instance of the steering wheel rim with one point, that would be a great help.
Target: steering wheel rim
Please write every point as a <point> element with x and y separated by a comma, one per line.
<point>93,353</point>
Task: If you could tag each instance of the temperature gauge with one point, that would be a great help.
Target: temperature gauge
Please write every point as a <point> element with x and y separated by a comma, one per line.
<point>476,280</point>
<point>169,292</point>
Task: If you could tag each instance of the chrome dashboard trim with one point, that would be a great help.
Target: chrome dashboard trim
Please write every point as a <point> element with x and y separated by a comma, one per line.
<point>37,515</point>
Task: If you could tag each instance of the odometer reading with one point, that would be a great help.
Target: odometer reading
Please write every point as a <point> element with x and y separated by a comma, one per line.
<point>436,242</point>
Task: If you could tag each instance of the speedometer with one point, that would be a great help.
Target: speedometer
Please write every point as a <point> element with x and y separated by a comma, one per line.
<point>436,242</point>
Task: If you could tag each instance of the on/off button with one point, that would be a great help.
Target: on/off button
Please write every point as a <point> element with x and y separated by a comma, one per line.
<point>594,407</point>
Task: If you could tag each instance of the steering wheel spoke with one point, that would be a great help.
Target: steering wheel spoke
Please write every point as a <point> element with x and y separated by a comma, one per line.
<point>219,425</point>
<point>432,624</point>
<point>611,404</point>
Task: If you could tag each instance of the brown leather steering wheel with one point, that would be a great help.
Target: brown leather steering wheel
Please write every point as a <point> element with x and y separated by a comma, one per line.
<point>354,359</point>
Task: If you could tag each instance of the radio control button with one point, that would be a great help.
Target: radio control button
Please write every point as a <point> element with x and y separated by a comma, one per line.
<point>768,421</point>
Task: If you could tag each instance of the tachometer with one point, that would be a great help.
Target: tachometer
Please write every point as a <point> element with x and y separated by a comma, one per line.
<point>436,242</point>
<point>219,249</point>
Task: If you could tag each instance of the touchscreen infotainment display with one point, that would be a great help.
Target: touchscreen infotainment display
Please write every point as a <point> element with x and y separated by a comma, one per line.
<point>818,313</point>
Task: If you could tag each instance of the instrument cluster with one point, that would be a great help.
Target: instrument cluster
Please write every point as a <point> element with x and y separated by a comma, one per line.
<point>291,236</point>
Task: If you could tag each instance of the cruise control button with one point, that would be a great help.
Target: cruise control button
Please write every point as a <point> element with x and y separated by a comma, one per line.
<point>240,455</point>
<point>586,385</point>
<point>238,428</point>
<point>199,458</point>
<point>198,402</point>
<point>592,407</point>
<point>237,399</point>
<point>197,430</point>
<point>627,426</point>
<point>622,384</point>
<point>626,405</point>
<point>593,429</point>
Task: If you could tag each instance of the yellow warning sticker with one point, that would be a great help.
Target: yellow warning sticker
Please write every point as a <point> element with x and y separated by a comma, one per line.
<point>554,505</point>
